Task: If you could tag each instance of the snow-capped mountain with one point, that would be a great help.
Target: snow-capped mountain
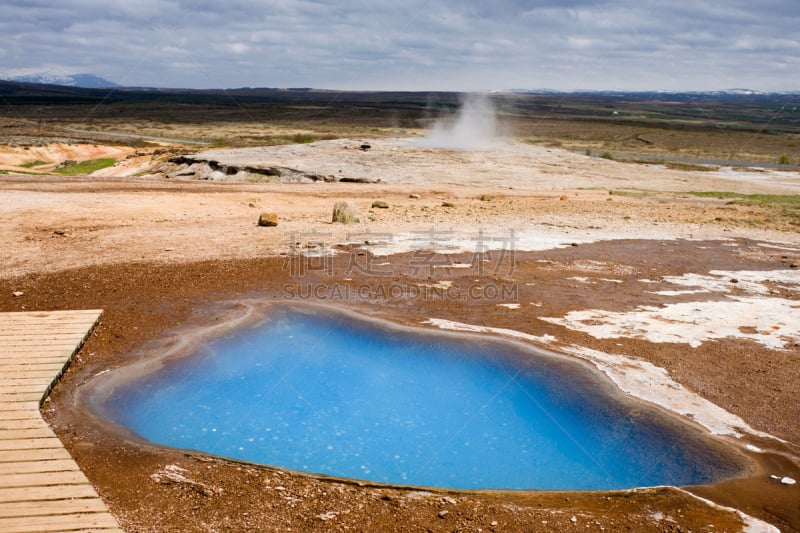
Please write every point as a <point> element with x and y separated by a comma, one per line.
<point>89,81</point>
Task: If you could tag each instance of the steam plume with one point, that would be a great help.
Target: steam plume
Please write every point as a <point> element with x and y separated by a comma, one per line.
<point>473,127</point>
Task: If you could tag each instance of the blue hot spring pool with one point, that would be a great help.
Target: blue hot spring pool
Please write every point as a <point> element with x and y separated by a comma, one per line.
<point>324,392</point>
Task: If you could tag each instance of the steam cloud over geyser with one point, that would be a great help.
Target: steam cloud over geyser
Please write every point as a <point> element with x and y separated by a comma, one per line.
<point>473,127</point>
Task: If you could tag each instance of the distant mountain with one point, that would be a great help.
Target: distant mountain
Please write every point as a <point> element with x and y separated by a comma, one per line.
<point>655,94</point>
<point>87,81</point>
<point>533,91</point>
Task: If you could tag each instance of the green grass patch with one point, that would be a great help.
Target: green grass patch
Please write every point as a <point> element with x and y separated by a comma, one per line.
<point>19,172</point>
<point>631,194</point>
<point>34,164</point>
<point>787,205</point>
<point>86,167</point>
<point>782,200</point>
<point>303,138</point>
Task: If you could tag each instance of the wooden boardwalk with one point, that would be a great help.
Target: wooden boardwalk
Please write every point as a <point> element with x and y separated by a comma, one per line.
<point>41,487</point>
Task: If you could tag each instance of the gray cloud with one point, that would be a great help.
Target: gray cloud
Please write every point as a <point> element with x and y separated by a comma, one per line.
<point>434,44</point>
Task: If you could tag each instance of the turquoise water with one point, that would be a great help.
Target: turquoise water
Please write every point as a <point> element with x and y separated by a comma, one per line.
<point>329,394</point>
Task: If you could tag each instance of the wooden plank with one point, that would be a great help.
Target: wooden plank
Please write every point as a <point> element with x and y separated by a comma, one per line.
<point>45,454</point>
<point>64,522</point>
<point>38,351</point>
<point>25,358</point>
<point>26,330</point>
<point>29,372</point>
<point>54,492</point>
<point>17,362</point>
<point>31,433</point>
<point>44,338</point>
<point>93,530</point>
<point>20,365</point>
<point>26,385</point>
<point>11,339</point>
<point>15,415</point>
<point>28,327</point>
<point>78,330</point>
<point>21,397</point>
<point>38,347</point>
<point>34,327</point>
<point>32,467</point>
<point>31,407</point>
<point>16,387</point>
<point>39,344</point>
<point>84,505</point>
<point>21,423</point>
<point>51,316</point>
<point>21,361</point>
<point>9,332</point>
<point>30,444</point>
<point>44,479</point>
<point>29,397</point>
<point>70,312</point>
<point>71,334</point>
<point>21,379</point>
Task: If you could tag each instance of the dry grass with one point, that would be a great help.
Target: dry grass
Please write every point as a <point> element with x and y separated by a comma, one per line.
<point>709,129</point>
<point>672,141</point>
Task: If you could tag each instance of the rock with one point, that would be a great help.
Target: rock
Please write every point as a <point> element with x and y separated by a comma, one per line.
<point>344,213</point>
<point>17,294</point>
<point>377,204</point>
<point>443,513</point>
<point>174,475</point>
<point>357,180</point>
<point>788,481</point>
<point>563,197</point>
<point>486,198</point>
<point>268,219</point>
<point>364,147</point>
<point>448,204</point>
<point>414,196</point>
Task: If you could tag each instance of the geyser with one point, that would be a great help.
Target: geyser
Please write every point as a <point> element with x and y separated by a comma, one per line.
<point>473,127</point>
<point>327,392</point>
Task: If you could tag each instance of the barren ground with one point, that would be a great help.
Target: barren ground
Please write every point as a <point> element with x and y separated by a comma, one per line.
<point>689,302</point>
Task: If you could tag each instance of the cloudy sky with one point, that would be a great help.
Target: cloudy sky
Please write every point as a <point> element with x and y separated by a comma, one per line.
<point>411,44</point>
